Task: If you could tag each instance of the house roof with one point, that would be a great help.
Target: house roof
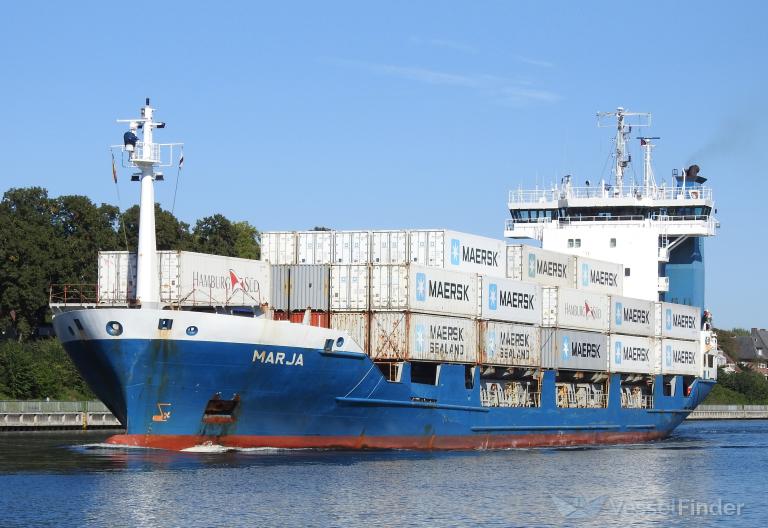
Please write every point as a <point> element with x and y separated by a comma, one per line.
<point>746,349</point>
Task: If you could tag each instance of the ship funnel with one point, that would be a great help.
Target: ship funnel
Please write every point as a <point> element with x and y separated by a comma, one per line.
<point>692,172</point>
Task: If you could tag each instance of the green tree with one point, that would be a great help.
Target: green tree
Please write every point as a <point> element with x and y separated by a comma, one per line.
<point>247,240</point>
<point>215,235</point>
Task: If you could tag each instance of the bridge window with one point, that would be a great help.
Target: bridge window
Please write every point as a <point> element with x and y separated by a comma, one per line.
<point>574,242</point>
<point>165,324</point>
<point>613,243</point>
<point>626,272</point>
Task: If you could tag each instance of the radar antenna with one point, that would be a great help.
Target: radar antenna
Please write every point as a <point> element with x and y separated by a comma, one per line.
<point>623,130</point>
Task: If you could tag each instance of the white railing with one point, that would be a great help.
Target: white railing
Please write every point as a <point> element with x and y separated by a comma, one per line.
<point>538,196</point>
<point>636,401</point>
<point>581,398</point>
<point>41,406</point>
<point>147,153</point>
<point>509,398</point>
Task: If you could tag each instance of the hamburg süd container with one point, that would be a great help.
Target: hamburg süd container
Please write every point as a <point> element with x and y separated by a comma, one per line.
<point>422,289</point>
<point>117,277</point>
<point>599,276</point>
<point>578,309</point>
<point>679,321</point>
<point>681,357</point>
<point>314,247</point>
<point>574,350</point>
<point>633,316</point>
<point>633,354</point>
<point>510,300</point>
<point>349,287</point>
<point>510,344</point>
<point>278,247</point>
<point>423,337</point>
<point>533,264</point>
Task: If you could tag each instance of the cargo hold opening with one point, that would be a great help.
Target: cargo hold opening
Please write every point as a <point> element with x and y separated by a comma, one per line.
<point>425,373</point>
<point>636,391</point>
<point>581,389</point>
<point>392,371</point>
<point>510,387</point>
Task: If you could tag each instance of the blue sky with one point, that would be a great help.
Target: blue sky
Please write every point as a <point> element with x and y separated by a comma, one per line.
<point>394,114</point>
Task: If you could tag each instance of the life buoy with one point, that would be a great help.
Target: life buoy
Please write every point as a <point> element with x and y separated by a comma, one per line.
<point>688,390</point>
<point>694,194</point>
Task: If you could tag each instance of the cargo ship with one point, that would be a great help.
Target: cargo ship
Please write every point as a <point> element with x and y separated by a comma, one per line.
<point>410,339</point>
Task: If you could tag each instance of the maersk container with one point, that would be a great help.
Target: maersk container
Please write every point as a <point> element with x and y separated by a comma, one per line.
<point>422,289</point>
<point>314,247</point>
<point>278,247</point>
<point>349,287</point>
<point>117,277</point>
<point>198,279</point>
<point>389,247</point>
<point>681,357</point>
<point>351,247</point>
<point>455,251</point>
<point>422,337</point>
<point>548,268</point>
<point>599,276</point>
<point>578,309</point>
<point>510,300</point>
<point>633,316</point>
<point>633,354</point>
<point>678,321</point>
<point>510,344</point>
<point>355,324</point>
<point>574,350</point>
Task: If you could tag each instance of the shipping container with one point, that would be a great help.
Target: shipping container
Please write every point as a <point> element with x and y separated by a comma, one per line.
<point>633,354</point>
<point>281,286</point>
<point>427,247</point>
<point>389,247</point>
<point>310,287</point>
<point>574,350</point>
<point>633,316</point>
<point>198,279</point>
<point>117,277</point>
<point>351,247</point>
<point>422,337</point>
<point>510,300</point>
<point>278,247</point>
<point>457,251</point>
<point>356,324</point>
<point>314,247</point>
<point>510,344</point>
<point>349,287</point>
<point>422,289</point>
<point>681,357</point>
<point>568,308</point>
<point>543,267</point>
<point>316,318</point>
<point>678,321</point>
<point>599,276</point>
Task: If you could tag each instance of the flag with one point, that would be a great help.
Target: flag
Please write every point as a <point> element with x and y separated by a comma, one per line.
<point>642,142</point>
<point>114,168</point>
<point>181,161</point>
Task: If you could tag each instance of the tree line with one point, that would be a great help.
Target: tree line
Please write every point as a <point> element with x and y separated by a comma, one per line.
<point>54,240</point>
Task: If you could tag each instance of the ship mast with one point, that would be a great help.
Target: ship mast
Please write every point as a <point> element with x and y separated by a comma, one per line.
<point>146,156</point>
<point>623,130</point>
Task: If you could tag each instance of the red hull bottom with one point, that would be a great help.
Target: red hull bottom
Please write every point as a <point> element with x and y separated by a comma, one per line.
<point>179,442</point>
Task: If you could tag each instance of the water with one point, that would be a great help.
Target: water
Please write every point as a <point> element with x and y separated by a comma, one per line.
<point>71,480</point>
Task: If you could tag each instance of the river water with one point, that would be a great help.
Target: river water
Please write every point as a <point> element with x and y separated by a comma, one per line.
<point>706,474</point>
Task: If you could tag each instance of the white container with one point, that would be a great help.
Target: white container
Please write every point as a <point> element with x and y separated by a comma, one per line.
<point>349,287</point>
<point>278,247</point>
<point>574,350</point>
<point>436,338</point>
<point>681,357</point>
<point>315,247</point>
<point>510,344</point>
<point>389,247</point>
<point>543,267</point>
<point>427,247</point>
<point>455,251</point>
<point>509,300</point>
<point>422,289</point>
<point>599,276</point>
<point>198,279</point>
<point>117,277</point>
<point>421,337</point>
<point>568,308</point>
<point>353,323</point>
<point>351,247</point>
<point>679,321</point>
<point>633,316</point>
<point>633,354</point>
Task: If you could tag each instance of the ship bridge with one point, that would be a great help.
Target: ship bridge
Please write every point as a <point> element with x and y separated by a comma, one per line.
<point>656,231</point>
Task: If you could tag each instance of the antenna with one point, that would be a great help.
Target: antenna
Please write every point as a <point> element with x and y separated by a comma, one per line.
<point>623,130</point>
<point>649,182</point>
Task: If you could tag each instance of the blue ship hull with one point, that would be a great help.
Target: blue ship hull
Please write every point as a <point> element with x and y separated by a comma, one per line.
<point>310,397</point>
